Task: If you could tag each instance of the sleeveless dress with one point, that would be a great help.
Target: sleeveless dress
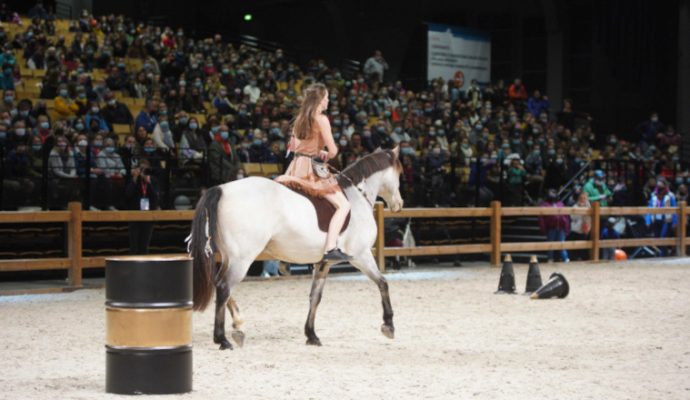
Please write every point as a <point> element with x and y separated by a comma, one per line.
<point>300,176</point>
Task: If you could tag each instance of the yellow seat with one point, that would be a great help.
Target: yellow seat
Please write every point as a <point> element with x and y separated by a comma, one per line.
<point>39,73</point>
<point>122,129</point>
<point>252,169</point>
<point>271,169</point>
<point>201,118</point>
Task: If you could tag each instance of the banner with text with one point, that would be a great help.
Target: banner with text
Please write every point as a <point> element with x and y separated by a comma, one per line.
<point>457,53</point>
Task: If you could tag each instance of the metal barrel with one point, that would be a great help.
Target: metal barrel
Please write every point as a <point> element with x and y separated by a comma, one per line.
<point>148,310</point>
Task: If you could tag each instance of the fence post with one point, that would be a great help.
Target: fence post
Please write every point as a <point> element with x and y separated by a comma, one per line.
<point>495,233</point>
<point>682,228</point>
<point>596,230</point>
<point>380,239</point>
<point>74,237</point>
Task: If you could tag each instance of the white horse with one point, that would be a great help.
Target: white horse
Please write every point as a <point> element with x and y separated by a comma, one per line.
<point>241,219</point>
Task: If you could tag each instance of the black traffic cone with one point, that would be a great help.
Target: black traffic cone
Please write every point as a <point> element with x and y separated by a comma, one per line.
<point>533,276</point>
<point>557,286</point>
<point>507,282</point>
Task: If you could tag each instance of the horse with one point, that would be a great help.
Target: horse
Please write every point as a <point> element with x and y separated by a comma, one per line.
<point>241,219</point>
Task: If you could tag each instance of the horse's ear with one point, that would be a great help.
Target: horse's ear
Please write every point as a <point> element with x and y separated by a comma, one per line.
<point>396,151</point>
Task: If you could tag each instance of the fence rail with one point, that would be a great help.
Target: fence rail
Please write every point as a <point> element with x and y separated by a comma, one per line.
<point>75,217</point>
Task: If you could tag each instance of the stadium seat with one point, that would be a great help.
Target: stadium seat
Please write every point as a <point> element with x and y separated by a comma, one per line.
<point>252,169</point>
<point>271,169</point>
<point>122,129</point>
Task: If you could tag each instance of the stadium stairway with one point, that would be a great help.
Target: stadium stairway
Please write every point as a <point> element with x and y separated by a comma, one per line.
<point>523,229</point>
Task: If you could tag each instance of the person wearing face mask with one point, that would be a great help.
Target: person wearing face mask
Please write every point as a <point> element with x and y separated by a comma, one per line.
<point>597,190</point>
<point>115,112</point>
<point>223,161</point>
<point>94,120</point>
<point>434,163</point>
<point>662,224</point>
<point>23,113</point>
<point>222,103</point>
<point>555,227</point>
<point>65,106</point>
<point>258,152</point>
<point>63,173</point>
<point>252,90</point>
<point>193,146</point>
<point>147,118</point>
<point>649,129</point>
<point>374,67</point>
<point>162,135</point>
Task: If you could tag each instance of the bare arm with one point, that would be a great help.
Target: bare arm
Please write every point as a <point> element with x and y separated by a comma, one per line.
<point>325,128</point>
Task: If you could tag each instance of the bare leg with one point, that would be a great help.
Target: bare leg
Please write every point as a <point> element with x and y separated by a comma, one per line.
<point>367,265</point>
<point>237,334</point>
<point>319,281</point>
<point>342,208</point>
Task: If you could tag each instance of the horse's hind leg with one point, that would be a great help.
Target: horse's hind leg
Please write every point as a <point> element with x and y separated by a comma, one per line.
<point>237,334</point>
<point>367,265</point>
<point>222,296</point>
<point>319,280</point>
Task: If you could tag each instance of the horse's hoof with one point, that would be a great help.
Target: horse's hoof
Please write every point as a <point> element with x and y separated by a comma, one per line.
<point>313,342</point>
<point>238,337</point>
<point>388,331</point>
<point>225,345</point>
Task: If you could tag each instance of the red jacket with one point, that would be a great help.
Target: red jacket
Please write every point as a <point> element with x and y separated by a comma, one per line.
<point>548,222</point>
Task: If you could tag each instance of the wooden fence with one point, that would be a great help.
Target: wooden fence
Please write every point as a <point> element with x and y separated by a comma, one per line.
<point>74,217</point>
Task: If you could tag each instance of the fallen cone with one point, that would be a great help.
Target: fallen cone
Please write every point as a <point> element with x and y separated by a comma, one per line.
<point>557,286</point>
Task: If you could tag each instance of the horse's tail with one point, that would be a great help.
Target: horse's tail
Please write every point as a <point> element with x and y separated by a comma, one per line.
<point>202,245</point>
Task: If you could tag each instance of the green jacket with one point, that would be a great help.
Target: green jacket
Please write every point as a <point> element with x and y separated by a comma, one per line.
<point>595,193</point>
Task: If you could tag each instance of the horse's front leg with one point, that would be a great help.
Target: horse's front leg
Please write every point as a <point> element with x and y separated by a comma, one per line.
<point>367,265</point>
<point>319,281</point>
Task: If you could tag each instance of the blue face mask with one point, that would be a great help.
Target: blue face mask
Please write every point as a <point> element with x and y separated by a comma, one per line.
<point>79,127</point>
<point>193,126</point>
<point>45,125</point>
<point>149,149</point>
<point>215,129</point>
<point>110,149</point>
<point>257,142</point>
<point>275,131</point>
<point>36,147</point>
<point>3,135</point>
<point>407,150</point>
<point>183,121</point>
<point>225,134</point>
<point>165,126</point>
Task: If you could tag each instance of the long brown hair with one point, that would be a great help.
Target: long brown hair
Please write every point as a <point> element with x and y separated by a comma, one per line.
<point>302,127</point>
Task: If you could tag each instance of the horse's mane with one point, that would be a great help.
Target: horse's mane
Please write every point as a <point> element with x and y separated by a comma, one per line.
<point>366,167</point>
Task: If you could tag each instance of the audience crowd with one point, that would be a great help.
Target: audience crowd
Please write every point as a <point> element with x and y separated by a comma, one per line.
<point>209,106</point>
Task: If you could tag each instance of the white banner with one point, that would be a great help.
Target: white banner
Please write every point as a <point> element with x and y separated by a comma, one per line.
<point>457,53</point>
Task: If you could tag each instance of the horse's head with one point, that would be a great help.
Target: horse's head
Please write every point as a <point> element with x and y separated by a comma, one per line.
<point>390,182</point>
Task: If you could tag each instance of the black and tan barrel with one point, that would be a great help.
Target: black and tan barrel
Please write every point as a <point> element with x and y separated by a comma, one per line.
<point>148,311</point>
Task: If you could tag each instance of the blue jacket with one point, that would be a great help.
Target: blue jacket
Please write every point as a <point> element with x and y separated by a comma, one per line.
<point>146,120</point>
<point>669,200</point>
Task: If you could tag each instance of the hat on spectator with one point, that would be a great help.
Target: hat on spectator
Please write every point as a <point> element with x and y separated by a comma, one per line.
<point>599,174</point>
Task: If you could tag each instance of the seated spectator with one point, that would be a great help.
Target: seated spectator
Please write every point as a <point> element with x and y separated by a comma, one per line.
<point>222,103</point>
<point>555,227</point>
<point>180,125</point>
<point>23,114</point>
<point>20,177</point>
<point>224,163</point>
<point>8,101</point>
<point>115,112</point>
<point>147,118</point>
<point>162,136</point>
<point>193,145</point>
<point>95,122</point>
<point>61,168</point>
<point>649,129</point>
<point>65,106</point>
<point>140,135</point>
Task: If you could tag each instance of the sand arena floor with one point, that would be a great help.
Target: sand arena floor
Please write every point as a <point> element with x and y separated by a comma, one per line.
<point>623,333</point>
